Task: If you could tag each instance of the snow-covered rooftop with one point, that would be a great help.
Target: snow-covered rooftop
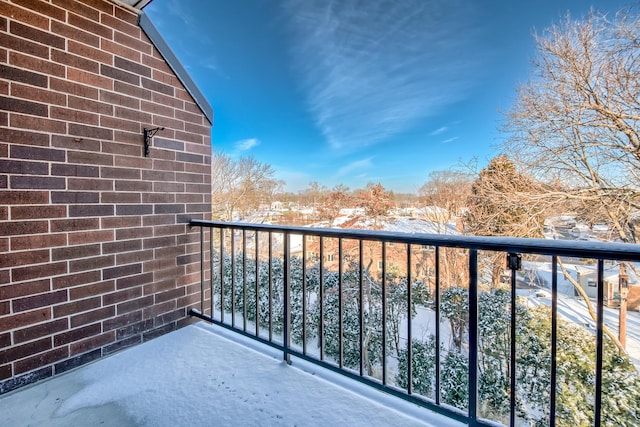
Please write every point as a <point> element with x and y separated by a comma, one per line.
<point>203,375</point>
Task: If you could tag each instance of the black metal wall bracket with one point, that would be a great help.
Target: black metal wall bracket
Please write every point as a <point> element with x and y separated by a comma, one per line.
<point>148,134</point>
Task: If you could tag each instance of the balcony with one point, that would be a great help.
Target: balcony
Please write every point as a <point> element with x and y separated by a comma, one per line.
<point>396,329</point>
<point>482,330</point>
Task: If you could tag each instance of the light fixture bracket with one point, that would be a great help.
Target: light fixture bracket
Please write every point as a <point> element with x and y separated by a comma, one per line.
<point>148,134</point>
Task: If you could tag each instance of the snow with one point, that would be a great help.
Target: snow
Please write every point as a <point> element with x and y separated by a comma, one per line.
<point>202,375</point>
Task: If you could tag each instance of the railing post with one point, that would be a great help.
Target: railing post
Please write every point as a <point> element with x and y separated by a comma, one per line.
<point>597,416</point>
<point>473,336</point>
<point>514,263</point>
<point>202,269</point>
<point>554,339</point>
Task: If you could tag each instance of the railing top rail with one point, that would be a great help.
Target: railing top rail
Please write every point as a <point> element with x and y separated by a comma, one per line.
<point>570,248</point>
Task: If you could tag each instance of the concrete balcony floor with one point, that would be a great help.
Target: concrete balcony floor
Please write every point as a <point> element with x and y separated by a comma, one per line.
<point>206,376</point>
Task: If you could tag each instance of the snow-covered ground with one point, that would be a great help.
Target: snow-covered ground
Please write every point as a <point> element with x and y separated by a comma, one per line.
<point>202,375</point>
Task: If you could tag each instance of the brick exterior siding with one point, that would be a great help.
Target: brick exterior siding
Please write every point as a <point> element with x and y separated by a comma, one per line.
<point>95,251</point>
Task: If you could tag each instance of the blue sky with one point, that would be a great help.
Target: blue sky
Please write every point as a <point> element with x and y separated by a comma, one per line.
<point>351,92</point>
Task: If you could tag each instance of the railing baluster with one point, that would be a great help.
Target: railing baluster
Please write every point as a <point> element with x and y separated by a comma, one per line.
<point>340,323</point>
<point>599,344</point>
<point>304,294</point>
<point>244,280</point>
<point>222,275</point>
<point>211,280</point>
<point>473,336</point>
<point>436,271</point>
<point>512,355</point>
<point>270,287</point>
<point>409,319</point>
<point>233,278</point>
<point>201,269</point>
<point>287,297</point>
<point>554,339</point>
<point>384,313</point>
<point>257,309</point>
<point>321,292</point>
<point>361,306</point>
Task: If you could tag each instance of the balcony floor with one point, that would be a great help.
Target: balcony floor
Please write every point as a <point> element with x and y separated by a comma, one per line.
<point>204,375</point>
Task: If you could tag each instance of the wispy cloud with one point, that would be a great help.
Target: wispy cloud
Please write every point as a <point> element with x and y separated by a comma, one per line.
<point>246,144</point>
<point>438,131</point>
<point>371,70</point>
<point>355,166</point>
<point>448,140</point>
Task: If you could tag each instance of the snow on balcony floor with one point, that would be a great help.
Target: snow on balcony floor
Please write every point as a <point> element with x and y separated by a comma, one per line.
<point>203,375</point>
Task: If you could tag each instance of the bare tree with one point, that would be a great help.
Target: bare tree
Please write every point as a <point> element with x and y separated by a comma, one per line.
<point>448,190</point>
<point>239,185</point>
<point>375,200</point>
<point>577,121</point>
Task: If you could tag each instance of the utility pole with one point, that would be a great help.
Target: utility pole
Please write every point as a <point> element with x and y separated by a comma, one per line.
<point>623,281</point>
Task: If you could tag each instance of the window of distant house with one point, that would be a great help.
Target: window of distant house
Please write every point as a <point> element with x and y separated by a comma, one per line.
<point>330,257</point>
<point>591,283</point>
<point>380,264</point>
<point>312,238</point>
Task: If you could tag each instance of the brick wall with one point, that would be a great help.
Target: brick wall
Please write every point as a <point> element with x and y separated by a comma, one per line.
<point>95,252</point>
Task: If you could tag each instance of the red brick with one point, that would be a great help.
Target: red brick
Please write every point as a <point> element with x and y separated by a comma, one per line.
<point>131,91</point>
<point>157,87</point>
<point>38,241</point>
<point>64,169</point>
<point>120,50</point>
<point>78,8</point>
<point>5,372</point>
<point>137,280</point>
<point>126,15</point>
<point>89,79</point>
<point>35,94</point>
<point>15,259</point>
<point>23,319</point>
<point>75,307</point>
<point>134,43</point>
<point>76,334</point>
<point>22,15</point>
<point>24,168</point>
<point>34,272</point>
<point>25,350</point>
<point>121,222</point>
<point>37,123</point>
<point>74,61</point>
<point>166,78</point>
<point>133,186</point>
<point>85,291</point>
<point>90,105</point>
<point>24,46</point>
<point>91,343</point>
<point>91,210</point>
<point>37,182</point>
<point>122,295</point>
<point>40,360</point>
<point>116,123</point>
<point>65,86</point>
<point>118,74</point>
<point>39,36</point>
<point>87,158</point>
<point>112,197</point>
<point>72,197</point>
<point>92,316</point>
<point>170,295</point>
<point>91,263</point>
<point>5,340</point>
<point>130,257</point>
<point>15,228</point>
<point>75,34</point>
<point>90,52</point>
<point>74,224</point>
<point>90,26</point>
<point>159,308</point>
<point>39,65</point>
<point>135,304</point>
<point>23,76</point>
<point>101,5</point>
<point>77,279</point>
<point>74,252</point>
<point>156,63</point>
<point>90,237</point>
<point>37,301</point>
<point>119,99</point>
<point>44,9</point>
<point>34,212</point>
<point>41,330</point>
<point>152,107</point>
<point>133,139</point>
<point>120,25</point>
<point>17,290</point>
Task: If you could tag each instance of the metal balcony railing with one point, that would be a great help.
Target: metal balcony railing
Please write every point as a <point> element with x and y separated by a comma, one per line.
<point>414,315</point>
